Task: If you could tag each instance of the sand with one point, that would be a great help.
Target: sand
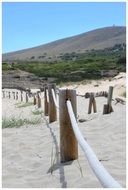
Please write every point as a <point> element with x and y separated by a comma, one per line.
<point>27,150</point>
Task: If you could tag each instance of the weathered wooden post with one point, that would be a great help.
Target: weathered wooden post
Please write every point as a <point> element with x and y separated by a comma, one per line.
<point>38,100</point>
<point>26,97</point>
<point>9,94</point>
<point>21,96</point>
<point>13,95</point>
<point>16,95</point>
<point>94,105</point>
<point>28,92</point>
<point>68,142</point>
<point>34,99</point>
<point>92,102</point>
<point>51,108</point>
<point>108,107</point>
<point>45,101</point>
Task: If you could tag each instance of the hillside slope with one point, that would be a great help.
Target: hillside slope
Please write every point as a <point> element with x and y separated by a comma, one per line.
<point>96,39</point>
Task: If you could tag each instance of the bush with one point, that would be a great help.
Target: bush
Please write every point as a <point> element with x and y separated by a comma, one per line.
<point>121,60</point>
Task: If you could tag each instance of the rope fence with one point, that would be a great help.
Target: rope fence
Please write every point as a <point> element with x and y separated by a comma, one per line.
<point>55,100</point>
<point>101,173</point>
<point>70,134</point>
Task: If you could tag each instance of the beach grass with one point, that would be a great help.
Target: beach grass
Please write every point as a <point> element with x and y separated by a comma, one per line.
<point>37,112</point>
<point>16,122</point>
<point>124,94</point>
<point>24,105</point>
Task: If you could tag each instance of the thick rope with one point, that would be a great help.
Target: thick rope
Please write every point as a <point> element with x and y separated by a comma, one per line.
<point>54,98</point>
<point>101,173</point>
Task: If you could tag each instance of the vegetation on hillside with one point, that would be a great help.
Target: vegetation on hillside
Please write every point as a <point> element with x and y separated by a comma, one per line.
<point>77,66</point>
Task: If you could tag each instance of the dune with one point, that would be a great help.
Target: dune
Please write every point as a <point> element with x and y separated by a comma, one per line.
<point>31,153</point>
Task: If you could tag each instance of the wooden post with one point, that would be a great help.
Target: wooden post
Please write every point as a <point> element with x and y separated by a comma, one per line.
<point>34,99</point>
<point>26,97</point>
<point>21,96</point>
<point>68,142</point>
<point>9,95</point>
<point>13,95</point>
<point>16,95</point>
<point>38,100</point>
<point>110,95</point>
<point>3,94</point>
<point>90,105</point>
<point>94,105</point>
<point>51,108</point>
<point>45,101</point>
<point>92,102</point>
<point>108,107</point>
<point>28,92</point>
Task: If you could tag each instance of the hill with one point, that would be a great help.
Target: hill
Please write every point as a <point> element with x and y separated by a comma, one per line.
<point>97,39</point>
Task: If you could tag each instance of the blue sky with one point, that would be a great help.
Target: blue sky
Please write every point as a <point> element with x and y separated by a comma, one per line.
<point>27,25</point>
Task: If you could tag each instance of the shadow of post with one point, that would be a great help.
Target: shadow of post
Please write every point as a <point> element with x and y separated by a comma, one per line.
<point>57,165</point>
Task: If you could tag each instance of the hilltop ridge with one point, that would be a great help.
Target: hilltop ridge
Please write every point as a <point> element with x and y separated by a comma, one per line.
<point>96,39</point>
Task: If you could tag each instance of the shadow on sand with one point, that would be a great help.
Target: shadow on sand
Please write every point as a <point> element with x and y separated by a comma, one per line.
<point>57,164</point>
